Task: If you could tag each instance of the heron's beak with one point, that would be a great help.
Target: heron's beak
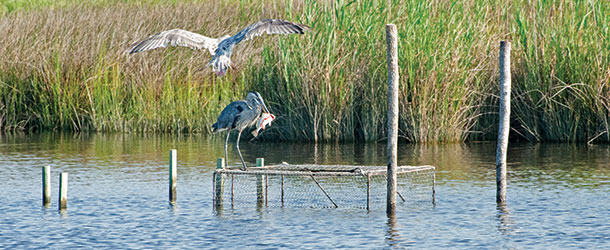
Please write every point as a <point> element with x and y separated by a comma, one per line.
<point>265,107</point>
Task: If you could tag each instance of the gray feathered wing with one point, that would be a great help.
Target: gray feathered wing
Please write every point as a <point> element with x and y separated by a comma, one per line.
<point>176,37</point>
<point>230,115</point>
<point>221,59</point>
<point>269,26</point>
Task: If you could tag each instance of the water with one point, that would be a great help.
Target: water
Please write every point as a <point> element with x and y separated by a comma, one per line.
<point>558,197</point>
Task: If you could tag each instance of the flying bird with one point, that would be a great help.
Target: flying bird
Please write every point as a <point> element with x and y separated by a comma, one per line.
<point>240,115</point>
<point>221,48</point>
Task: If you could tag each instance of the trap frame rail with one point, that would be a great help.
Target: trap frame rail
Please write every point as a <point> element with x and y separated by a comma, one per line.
<point>304,171</point>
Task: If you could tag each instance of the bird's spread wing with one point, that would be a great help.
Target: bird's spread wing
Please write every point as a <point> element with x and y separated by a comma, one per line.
<point>270,26</point>
<point>176,37</point>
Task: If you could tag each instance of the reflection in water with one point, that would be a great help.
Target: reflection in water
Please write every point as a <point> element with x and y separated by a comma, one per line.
<point>392,234</point>
<point>174,207</point>
<point>315,153</point>
<point>121,194</point>
<point>63,213</point>
<point>506,223</point>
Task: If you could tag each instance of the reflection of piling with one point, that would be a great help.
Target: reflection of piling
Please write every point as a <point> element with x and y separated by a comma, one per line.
<point>261,185</point>
<point>218,184</point>
<point>434,187</point>
<point>173,163</point>
<point>46,186</point>
<point>63,191</point>
<point>392,51</point>
<point>504,124</point>
<point>282,188</point>
<point>368,192</point>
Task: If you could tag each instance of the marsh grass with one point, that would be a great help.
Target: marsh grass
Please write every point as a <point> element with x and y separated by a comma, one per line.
<point>64,68</point>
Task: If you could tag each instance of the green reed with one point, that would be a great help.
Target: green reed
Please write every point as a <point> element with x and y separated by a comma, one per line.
<point>63,68</point>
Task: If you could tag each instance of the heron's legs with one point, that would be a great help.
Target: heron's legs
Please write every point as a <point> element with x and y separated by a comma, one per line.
<point>240,157</point>
<point>226,143</point>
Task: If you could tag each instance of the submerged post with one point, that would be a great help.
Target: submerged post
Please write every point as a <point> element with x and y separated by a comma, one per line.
<point>63,191</point>
<point>173,164</point>
<point>392,50</point>
<point>261,187</point>
<point>504,124</point>
<point>218,184</point>
<point>46,185</point>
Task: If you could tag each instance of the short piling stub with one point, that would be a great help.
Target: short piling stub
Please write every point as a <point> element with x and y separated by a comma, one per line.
<point>173,165</point>
<point>46,186</point>
<point>218,184</point>
<point>63,191</point>
<point>261,185</point>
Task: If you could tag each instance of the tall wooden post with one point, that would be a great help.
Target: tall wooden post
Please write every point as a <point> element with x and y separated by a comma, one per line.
<point>392,46</point>
<point>173,165</point>
<point>504,124</point>
<point>46,186</point>
<point>63,191</point>
<point>219,184</point>
<point>261,185</point>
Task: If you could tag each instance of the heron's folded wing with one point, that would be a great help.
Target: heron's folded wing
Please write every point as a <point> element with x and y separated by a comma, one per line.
<point>270,26</point>
<point>176,37</point>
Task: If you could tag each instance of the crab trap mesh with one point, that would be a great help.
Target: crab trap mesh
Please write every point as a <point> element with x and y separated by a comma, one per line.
<point>319,186</point>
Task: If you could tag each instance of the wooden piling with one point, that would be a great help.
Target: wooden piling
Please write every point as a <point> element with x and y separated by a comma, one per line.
<point>219,184</point>
<point>392,51</point>
<point>173,165</point>
<point>46,186</point>
<point>504,124</point>
<point>63,191</point>
<point>261,187</point>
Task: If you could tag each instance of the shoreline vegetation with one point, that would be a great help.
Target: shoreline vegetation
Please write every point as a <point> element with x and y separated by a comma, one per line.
<point>63,67</point>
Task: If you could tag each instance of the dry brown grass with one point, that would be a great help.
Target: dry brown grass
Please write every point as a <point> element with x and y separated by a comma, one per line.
<point>65,68</point>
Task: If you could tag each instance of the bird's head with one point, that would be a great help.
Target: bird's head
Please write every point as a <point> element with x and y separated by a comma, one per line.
<point>255,99</point>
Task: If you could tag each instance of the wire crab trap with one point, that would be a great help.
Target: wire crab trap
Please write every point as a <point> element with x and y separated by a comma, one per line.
<point>319,186</point>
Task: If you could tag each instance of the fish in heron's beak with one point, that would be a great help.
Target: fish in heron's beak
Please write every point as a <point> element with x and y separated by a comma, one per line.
<point>262,122</point>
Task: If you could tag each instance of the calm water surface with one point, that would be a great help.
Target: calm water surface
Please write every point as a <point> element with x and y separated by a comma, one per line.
<point>558,197</point>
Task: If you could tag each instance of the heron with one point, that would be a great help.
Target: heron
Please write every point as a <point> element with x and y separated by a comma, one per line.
<point>240,115</point>
<point>221,48</point>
